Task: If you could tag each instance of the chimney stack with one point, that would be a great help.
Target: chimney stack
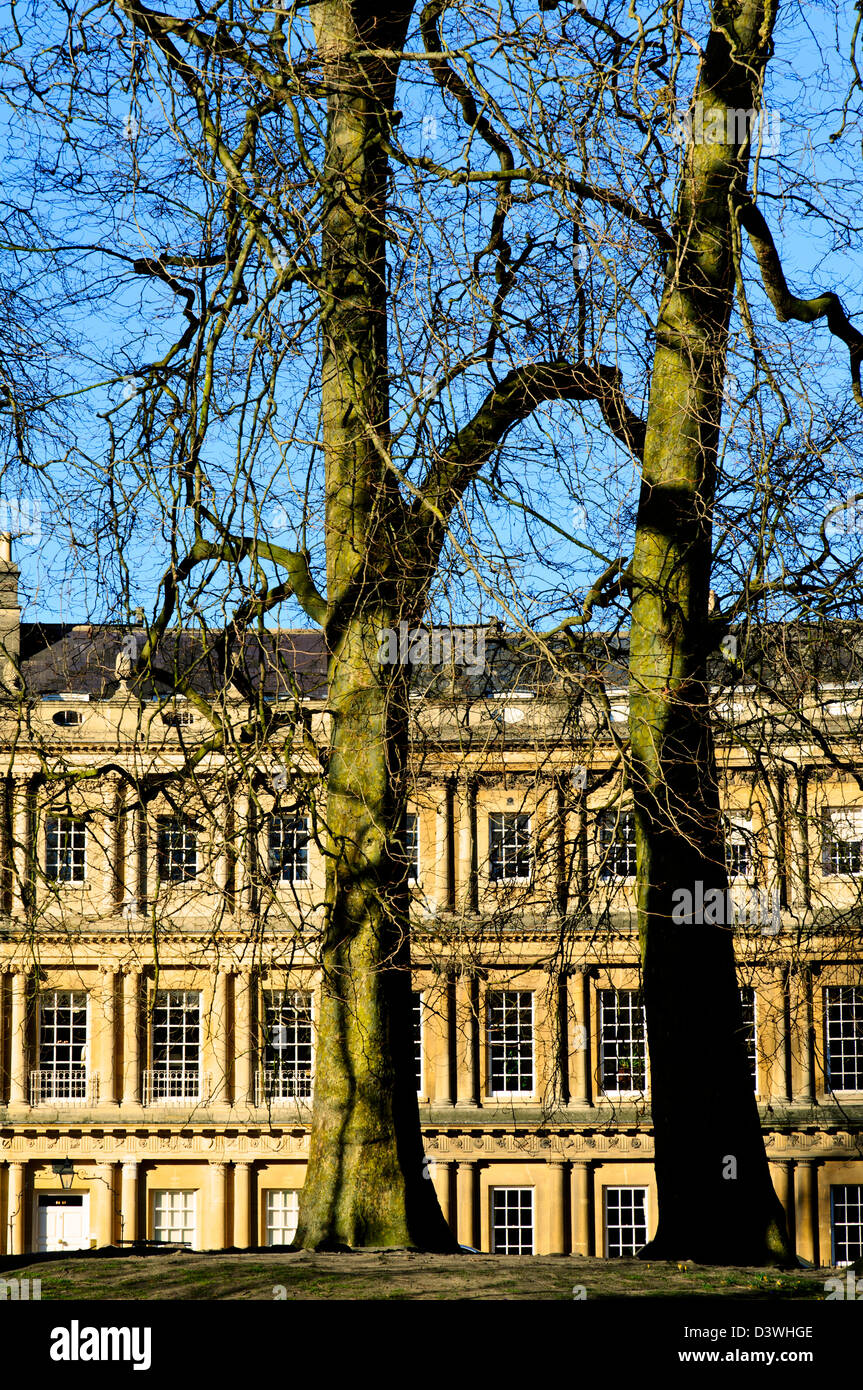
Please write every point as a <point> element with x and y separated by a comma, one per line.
<point>10,616</point>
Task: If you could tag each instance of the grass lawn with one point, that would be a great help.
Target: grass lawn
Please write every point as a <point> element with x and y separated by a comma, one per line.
<point>400,1275</point>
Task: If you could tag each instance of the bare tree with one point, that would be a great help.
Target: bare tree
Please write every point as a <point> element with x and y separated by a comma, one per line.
<point>422,265</point>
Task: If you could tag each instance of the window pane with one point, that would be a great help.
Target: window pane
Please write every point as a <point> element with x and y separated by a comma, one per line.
<point>622,1042</point>
<point>65,860</point>
<point>625,1220</point>
<point>510,1041</point>
<point>617,845</point>
<point>847,1219</point>
<point>509,846</point>
<point>843,1022</point>
<point>281,1209</point>
<point>512,1220</point>
<point>287,1044</point>
<point>174,1217</point>
<point>176,850</point>
<point>289,848</point>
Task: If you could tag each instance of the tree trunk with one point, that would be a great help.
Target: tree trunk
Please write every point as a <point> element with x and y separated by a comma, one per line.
<point>366,1183</point>
<point>716,1200</point>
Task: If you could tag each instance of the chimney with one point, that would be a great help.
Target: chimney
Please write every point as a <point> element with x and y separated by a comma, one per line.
<point>10,616</point>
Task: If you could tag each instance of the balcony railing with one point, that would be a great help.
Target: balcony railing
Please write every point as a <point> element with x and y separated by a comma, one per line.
<point>274,1085</point>
<point>69,1086</point>
<point>175,1086</point>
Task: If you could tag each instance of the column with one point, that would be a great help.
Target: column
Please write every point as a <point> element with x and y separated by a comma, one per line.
<point>117,847</point>
<point>243,1042</point>
<point>18,1058</point>
<point>802,1079</point>
<point>131,1045</point>
<point>806,1208</point>
<point>440,1169</point>
<point>774,990</point>
<point>467,847</point>
<point>131,859</point>
<point>578,989</point>
<point>582,1183</point>
<point>129,1200</point>
<point>242,1205</point>
<point>465,1180</point>
<point>558,1188</point>
<point>105,1056</point>
<point>103,1194</point>
<point>465,1040</point>
<point>217,1237</point>
<point>21,845</point>
<point>17,1184</point>
<point>798,864</point>
<point>782,1175</point>
<point>242,867</point>
<point>219,1039</point>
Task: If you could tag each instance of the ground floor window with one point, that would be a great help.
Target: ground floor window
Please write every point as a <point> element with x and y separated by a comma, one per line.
<point>846,1201</point>
<point>512,1220</point>
<point>174,1217</point>
<point>281,1209</point>
<point>625,1220</point>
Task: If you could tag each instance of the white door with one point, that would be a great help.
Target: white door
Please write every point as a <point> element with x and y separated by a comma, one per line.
<point>63,1221</point>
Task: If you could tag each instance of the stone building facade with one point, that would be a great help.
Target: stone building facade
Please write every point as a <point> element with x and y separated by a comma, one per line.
<point>157,993</point>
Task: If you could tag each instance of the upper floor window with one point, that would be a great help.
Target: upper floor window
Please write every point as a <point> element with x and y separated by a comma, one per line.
<point>68,718</point>
<point>617,844</point>
<point>622,1041</point>
<point>289,848</point>
<point>176,850</point>
<point>288,1044</point>
<point>747,1005</point>
<point>62,1051</point>
<point>176,1045</point>
<point>417,1018</point>
<point>178,718</point>
<point>412,845</point>
<point>66,842</point>
<point>510,1041</point>
<point>509,846</point>
<point>842,837</point>
<point>739,848</point>
<point>843,1041</point>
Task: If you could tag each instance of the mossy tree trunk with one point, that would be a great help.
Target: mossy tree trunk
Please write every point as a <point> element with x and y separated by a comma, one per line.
<point>716,1200</point>
<point>366,1182</point>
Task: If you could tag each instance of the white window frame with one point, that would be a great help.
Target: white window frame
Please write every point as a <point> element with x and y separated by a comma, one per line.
<point>272,1094</point>
<point>616,1188</point>
<point>74,1087</point>
<point>66,823</point>
<point>418,1007</point>
<point>491,995</point>
<point>841,830</point>
<point>297,826</point>
<point>739,833</point>
<point>755,1071</point>
<point>835,1189</point>
<point>600,1010</point>
<point>269,1226</point>
<point>618,823</point>
<point>503,879</point>
<point>412,846</point>
<point>158,1195</point>
<point>184,1073</point>
<point>858,1009</point>
<point>165,853</point>
<point>494,1192</point>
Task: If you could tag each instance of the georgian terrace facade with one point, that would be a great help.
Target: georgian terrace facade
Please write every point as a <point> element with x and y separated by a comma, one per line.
<point>158,989</point>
